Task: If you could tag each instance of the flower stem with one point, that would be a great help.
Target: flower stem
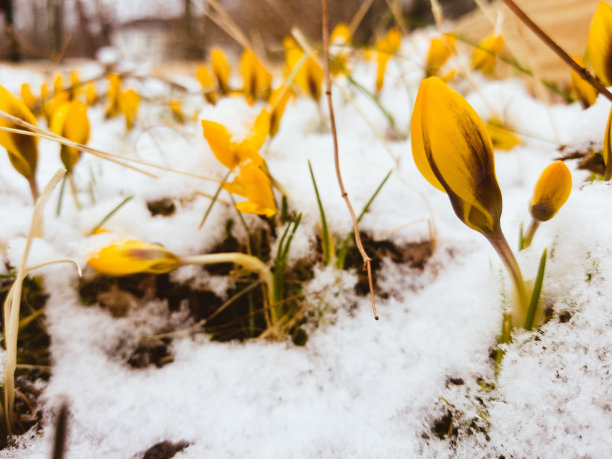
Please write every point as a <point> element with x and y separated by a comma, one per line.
<point>531,229</point>
<point>248,262</point>
<point>499,243</point>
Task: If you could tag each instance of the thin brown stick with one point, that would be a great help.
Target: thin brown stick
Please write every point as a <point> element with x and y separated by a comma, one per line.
<point>583,72</point>
<point>367,261</point>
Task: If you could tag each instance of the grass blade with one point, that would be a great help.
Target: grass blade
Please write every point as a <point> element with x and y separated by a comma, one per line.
<point>537,289</point>
<point>326,241</point>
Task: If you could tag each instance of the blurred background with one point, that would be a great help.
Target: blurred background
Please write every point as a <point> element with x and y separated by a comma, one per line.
<point>162,30</point>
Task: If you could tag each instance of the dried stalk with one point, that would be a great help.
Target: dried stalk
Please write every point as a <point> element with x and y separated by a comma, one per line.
<point>583,72</point>
<point>367,261</point>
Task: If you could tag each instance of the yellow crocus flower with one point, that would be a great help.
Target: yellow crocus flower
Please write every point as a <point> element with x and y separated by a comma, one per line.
<point>113,95</point>
<point>133,257</point>
<point>27,96</point>
<point>232,154</point>
<point>208,83</point>
<point>22,149</point>
<point>254,184</point>
<point>256,78</point>
<point>50,106</point>
<point>70,120</point>
<point>278,101</point>
<point>385,48</point>
<point>453,151</point>
<point>551,191</point>
<point>58,84</point>
<point>309,77</point>
<point>220,68</point>
<point>599,46</point>
<point>485,54</point>
<point>501,136</point>
<point>129,101</point>
<point>440,50</point>
<point>91,93</point>
<point>340,41</point>
<point>177,110</point>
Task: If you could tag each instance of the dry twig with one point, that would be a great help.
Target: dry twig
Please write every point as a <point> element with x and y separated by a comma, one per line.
<point>367,261</point>
<point>583,72</point>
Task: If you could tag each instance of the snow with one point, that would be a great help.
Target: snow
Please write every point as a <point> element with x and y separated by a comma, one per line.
<point>359,387</point>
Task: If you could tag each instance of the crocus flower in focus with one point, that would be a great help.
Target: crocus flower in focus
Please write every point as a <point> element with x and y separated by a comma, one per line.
<point>133,257</point>
<point>599,47</point>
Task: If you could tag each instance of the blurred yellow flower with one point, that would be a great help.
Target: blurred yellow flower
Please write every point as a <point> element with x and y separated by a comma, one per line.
<point>599,47</point>
<point>28,97</point>
<point>501,136</point>
<point>209,85</point>
<point>58,84</point>
<point>551,192</point>
<point>133,257</point>
<point>91,93</point>
<point>485,54</point>
<point>51,105</point>
<point>278,101</point>
<point>340,46</point>
<point>453,151</point>
<point>256,79</point>
<point>22,149</point>
<point>385,48</point>
<point>309,77</point>
<point>70,120</point>
<point>232,154</point>
<point>220,69</point>
<point>113,95</point>
<point>440,50</point>
<point>177,110</point>
<point>129,101</point>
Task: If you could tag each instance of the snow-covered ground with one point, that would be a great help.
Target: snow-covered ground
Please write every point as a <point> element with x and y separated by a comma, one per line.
<point>359,387</point>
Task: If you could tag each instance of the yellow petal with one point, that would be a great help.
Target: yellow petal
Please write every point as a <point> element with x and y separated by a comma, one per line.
<point>133,257</point>
<point>254,185</point>
<point>453,151</point>
<point>551,192</point>
<point>485,54</point>
<point>599,47</point>
<point>501,136</point>
<point>113,95</point>
<point>255,76</point>
<point>260,130</point>
<point>218,138</point>
<point>22,149</point>
<point>220,68</point>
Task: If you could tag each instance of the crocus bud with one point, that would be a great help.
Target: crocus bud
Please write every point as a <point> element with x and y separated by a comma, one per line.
<point>278,101</point>
<point>551,191</point>
<point>70,120</point>
<point>133,257</point>
<point>385,48</point>
<point>599,47</point>
<point>22,149</point>
<point>453,151</point>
